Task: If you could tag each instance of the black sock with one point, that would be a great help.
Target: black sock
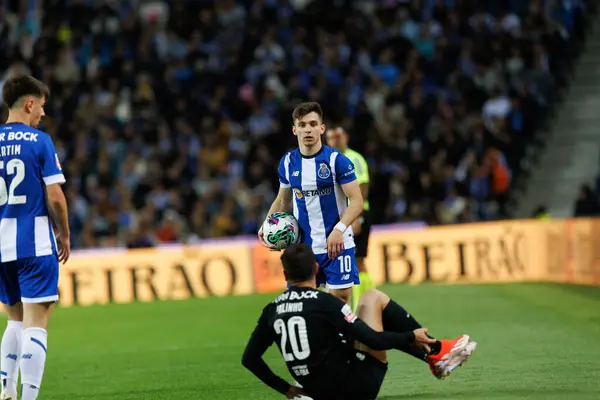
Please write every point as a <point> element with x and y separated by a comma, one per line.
<point>396,319</point>
<point>435,347</point>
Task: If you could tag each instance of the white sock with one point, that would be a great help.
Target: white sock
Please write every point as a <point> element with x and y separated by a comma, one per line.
<point>10,351</point>
<point>33,359</point>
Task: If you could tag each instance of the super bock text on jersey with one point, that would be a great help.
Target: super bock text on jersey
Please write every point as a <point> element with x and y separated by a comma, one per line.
<point>319,202</point>
<point>308,326</point>
<point>28,253</point>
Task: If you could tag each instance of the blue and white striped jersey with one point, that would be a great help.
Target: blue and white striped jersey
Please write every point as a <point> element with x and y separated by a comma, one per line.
<point>28,162</point>
<point>319,201</point>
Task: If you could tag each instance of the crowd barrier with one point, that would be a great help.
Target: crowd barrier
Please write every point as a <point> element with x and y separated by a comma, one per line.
<point>564,251</point>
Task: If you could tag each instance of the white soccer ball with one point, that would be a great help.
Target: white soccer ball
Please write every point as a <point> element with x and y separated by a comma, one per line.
<point>281,230</point>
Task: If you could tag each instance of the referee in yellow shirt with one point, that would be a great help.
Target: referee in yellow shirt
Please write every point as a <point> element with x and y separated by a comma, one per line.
<point>338,139</point>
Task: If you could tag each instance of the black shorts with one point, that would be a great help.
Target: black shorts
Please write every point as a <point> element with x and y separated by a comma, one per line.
<point>361,379</point>
<point>362,239</point>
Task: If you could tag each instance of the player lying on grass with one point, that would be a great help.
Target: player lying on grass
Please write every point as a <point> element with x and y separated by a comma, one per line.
<point>331,352</point>
<point>320,181</point>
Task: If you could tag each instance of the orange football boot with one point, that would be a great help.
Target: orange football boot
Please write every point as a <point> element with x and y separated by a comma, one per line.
<point>453,354</point>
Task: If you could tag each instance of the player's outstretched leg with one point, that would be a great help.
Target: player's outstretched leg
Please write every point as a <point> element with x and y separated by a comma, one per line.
<point>33,348</point>
<point>397,319</point>
<point>10,351</point>
<point>375,307</point>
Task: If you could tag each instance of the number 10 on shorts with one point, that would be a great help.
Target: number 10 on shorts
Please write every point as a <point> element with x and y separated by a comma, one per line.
<point>345,264</point>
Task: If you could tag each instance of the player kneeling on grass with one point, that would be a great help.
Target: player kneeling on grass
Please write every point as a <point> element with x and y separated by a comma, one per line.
<point>307,324</point>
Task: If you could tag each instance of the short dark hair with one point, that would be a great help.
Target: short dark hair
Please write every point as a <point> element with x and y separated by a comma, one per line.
<point>299,263</point>
<point>303,109</point>
<point>23,85</point>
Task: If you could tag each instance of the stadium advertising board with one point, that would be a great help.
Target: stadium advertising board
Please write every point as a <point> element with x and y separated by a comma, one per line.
<point>157,274</point>
<point>565,251</point>
<point>512,251</point>
<point>268,272</point>
<point>490,252</point>
<point>571,252</point>
<point>496,252</point>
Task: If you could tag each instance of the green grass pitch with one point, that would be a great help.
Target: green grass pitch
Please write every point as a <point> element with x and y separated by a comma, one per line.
<point>535,342</point>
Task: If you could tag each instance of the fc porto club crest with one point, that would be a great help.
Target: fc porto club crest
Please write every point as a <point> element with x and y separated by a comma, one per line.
<point>324,171</point>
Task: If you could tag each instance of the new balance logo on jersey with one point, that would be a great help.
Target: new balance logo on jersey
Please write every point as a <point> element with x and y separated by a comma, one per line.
<point>296,173</point>
<point>12,357</point>
<point>26,136</point>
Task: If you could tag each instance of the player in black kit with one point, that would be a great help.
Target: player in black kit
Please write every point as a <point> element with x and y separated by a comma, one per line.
<point>331,352</point>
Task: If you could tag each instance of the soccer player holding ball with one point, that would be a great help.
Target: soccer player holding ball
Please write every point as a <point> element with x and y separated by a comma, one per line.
<point>338,139</point>
<point>319,183</point>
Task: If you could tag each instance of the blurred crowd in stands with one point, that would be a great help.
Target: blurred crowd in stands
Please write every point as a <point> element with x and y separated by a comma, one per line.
<point>588,201</point>
<point>169,117</point>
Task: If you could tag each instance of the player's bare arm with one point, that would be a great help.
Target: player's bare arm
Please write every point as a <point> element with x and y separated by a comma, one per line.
<point>57,204</point>
<point>282,203</point>
<point>335,242</point>
<point>355,197</point>
<point>364,191</point>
